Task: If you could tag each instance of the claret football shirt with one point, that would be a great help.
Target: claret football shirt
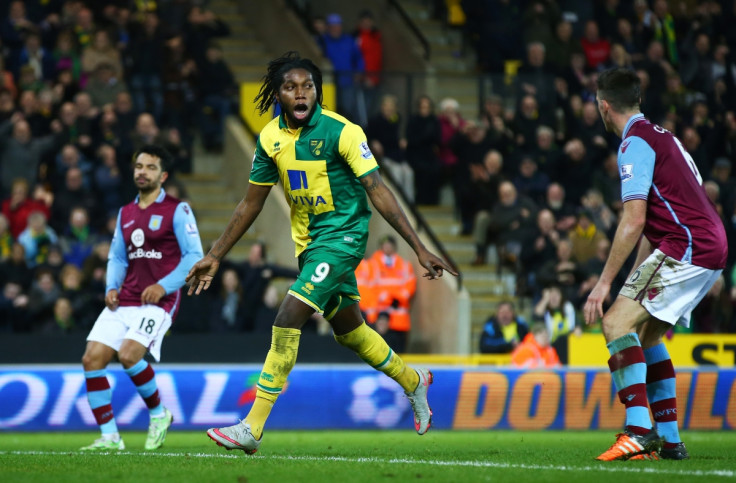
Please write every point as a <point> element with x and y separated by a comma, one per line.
<point>681,220</point>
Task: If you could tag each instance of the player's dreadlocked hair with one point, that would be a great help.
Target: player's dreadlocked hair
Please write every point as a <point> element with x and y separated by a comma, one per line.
<point>275,77</point>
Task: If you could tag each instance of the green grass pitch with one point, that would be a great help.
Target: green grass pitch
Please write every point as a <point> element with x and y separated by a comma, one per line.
<point>361,456</point>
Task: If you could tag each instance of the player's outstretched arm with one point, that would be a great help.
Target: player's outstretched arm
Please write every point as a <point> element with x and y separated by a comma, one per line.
<point>201,275</point>
<point>385,202</point>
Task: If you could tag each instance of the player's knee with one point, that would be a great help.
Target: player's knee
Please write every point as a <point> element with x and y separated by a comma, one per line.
<point>128,358</point>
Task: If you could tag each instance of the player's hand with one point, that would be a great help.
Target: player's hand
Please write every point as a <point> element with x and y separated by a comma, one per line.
<point>201,275</point>
<point>435,266</point>
<point>112,300</point>
<point>593,309</point>
<point>152,294</point>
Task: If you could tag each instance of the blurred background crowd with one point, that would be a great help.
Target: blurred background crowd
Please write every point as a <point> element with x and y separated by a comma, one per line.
<point>533,178</point>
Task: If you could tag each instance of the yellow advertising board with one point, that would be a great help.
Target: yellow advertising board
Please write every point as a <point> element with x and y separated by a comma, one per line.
<point>686,350</point>
<point>255,121</point>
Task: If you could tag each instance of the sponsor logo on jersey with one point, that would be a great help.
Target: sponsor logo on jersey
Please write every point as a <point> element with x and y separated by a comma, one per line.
<point>128,224</point>
<point>155,222</point>
<point>627,172</point>
<point>276,147</point>
<point>141,253</point>
<point>297,179</point>
<point>191,229</point>
<point>138,237</point>
<point>652,293</point>
<point>316,146</point>
<point>308,200</point>
<point>365,151</point>
<point>185,207</point>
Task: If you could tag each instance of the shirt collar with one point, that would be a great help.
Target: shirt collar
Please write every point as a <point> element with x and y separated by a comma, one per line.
<point>636,117</point>
<point>312,120</point>
<point>159,198</point>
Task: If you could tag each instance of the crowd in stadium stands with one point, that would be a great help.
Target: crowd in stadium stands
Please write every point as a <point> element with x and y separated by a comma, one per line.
<point>83,84</point>
<point>534,177</point>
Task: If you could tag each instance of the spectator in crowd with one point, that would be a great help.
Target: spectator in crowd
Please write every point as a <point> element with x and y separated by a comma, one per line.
<point>558,316</point>
<point>563,270</point>
<point>387,145</point>
<point>503,332</point>
<point>531,182</point>
<point>101,51</point>
<point>395,285</point>
<point>63,319</point>
<point>602,215</point>
<point>104,85</point>
<point>217,98</point>
<point>452,125</point>
<point>15,269</point>
<point>506,226</point>
<point>228,310</point>
<point>423,134</point>
<point>202,27</point>
<point>535,351</point>
<point>41,299</point>
<point>84,304</point>
<point>370,43</point>
<point>256,274</point>
<point>26,152</point>
<point>13,308</point>
<point>584,237</point>
<point>557,203</point>
<point>78,238</point>
<point>482,191</point>
<point>146,51</point>
<point>66,56</point>
<point>347,61</point>
<point>19,205</point>
<point>596,49</point>
<point>541,247</point>
<point>36,238</point>
<point>536,79</point>
<point>470,146</point>
<point>180,78</point>
<point>72,194</point>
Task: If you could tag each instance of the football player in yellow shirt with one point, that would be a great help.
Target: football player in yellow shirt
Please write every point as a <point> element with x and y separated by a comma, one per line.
<point>326,167</point>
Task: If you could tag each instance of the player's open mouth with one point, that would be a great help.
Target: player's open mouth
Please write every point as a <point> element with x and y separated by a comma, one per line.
<point>301,111</point>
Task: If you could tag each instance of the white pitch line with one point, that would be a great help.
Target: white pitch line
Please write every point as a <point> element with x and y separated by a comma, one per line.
<point>610,468</point>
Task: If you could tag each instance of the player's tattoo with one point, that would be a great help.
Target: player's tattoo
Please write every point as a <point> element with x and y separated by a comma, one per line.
<point>371,182</point>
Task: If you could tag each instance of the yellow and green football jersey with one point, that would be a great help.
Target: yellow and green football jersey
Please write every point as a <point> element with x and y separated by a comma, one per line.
<point>319,165</point>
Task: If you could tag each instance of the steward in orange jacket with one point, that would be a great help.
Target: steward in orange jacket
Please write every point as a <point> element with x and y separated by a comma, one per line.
<point>535,351</point>
<point>365,274</point>
<point>395,285</point>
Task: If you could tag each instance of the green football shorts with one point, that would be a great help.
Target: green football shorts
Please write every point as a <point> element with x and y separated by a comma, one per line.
<point>326,280</point>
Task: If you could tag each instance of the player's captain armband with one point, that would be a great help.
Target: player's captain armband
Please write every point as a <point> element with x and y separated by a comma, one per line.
<point>627,172</point>
<point>365,151</point>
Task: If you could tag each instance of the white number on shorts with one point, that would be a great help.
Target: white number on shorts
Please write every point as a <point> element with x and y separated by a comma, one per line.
<point>320,273</point>
<point>147,325</point>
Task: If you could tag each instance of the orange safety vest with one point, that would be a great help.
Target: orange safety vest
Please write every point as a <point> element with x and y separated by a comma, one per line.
<point>529,354</point>
<point>365,274</point>
<point>394,281</point>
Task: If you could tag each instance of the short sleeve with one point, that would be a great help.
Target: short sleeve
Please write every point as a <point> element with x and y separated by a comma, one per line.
<point>353,147</point>
<point>636,168</point>
<point>264,171</point>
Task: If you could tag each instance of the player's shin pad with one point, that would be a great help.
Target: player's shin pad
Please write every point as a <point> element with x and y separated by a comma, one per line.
<point>371,347</point>
<point>279,362</point>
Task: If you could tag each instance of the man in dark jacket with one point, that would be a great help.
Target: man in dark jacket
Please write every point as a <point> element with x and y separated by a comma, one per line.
<point>503,332</point>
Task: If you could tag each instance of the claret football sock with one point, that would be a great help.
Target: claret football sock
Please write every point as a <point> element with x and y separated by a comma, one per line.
<point>99,396</point>
<point>144,379</point>
<point>370,346</point>
<point>629,372</point>
<point>661,390</point>
<point>279,362</point>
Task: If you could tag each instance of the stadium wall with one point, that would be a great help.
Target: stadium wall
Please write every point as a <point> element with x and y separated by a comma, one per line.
<point>53,398</point>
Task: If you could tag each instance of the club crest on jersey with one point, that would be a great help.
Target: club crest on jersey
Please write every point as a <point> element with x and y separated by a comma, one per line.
<point>316,146</point>
<point>155,222</point>
<point>627,172</point>
<point>365,151</point>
